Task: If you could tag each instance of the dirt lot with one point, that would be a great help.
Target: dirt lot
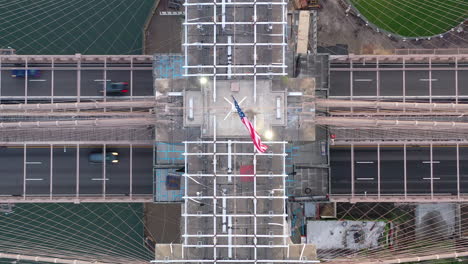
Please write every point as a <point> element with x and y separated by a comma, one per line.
<point>334,27</point>
<point>163,34</point>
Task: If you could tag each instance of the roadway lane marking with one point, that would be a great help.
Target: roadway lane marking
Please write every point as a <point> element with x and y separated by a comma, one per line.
<point>37,80</point>
<point>435,162</point>
<point>396,146</point>
<point>82,146</point>
<point>100,179</point>
<point>431,178</point>
<point>365,162</point>
<point>102,80</point>
<point>428,80</point>
<point>34,162</point>
<point>363,80</point>
<point>35,179</point>
<point>365,179</point>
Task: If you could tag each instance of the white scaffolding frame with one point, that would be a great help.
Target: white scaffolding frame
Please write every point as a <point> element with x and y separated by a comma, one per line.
<point>228,206</point>
<point>223,39</point>
<point>189,215</point>
<point>224,213</point>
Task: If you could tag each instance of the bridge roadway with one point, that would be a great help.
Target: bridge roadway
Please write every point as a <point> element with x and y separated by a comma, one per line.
<point>367,171</point>
<point>70,78</point>
<point>65,170</point>
<point>400,81</point>
<point>389,173</point>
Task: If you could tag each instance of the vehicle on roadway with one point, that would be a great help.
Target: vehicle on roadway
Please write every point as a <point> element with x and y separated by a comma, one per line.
<point>116,88</point>
<point>22,73</point>
<point>98,157</point>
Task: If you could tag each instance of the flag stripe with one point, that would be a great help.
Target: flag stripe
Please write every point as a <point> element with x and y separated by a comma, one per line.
<point>257,140</point>
<point>254,135</point>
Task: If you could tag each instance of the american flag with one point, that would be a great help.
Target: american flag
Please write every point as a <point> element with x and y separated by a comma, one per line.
<point>253,134</point>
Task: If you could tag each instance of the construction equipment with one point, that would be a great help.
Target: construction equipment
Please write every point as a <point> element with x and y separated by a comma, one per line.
<point>313,4</point>
<point>306,4</point>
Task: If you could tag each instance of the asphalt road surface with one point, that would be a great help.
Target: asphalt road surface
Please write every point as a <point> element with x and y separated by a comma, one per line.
<point>37,171</point>
<point>418,81</point>
<point>392,170</point>
<point>65,81</point>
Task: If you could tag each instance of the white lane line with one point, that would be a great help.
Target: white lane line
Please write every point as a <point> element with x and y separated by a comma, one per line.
<point>34,162</point>
<point>430,178</point>
<point>295,94</point>
<point>428,80</point>
<point>35,179</point>
<point>100,179</point>
<point>363,80</point>
<point>276,224</point>
<point>365,162</point>
<point>101,80</point>
<point>37,80</point>
<point>429,162</point>
<point>365,179</point>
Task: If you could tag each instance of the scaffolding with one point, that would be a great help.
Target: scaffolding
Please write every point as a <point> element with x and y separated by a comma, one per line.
<point>231,214</point>
<point>248,43</point>
<point>229,207</point>
<point>234,201</point>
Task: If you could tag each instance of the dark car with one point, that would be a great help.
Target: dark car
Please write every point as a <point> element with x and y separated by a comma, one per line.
<point>116,88</point>
<point>98,157</point>
<point>22,73</point>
